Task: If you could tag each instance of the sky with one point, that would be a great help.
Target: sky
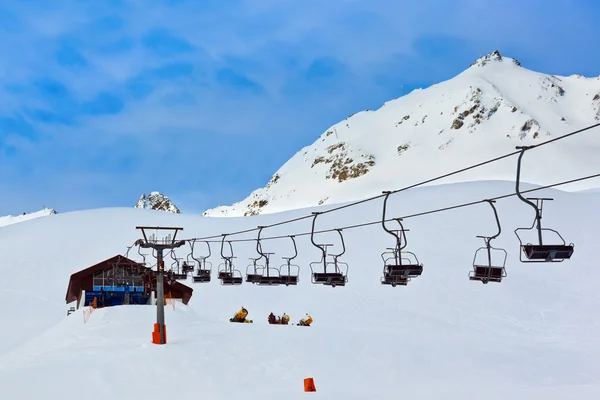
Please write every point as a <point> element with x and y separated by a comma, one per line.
<point>204,100</point>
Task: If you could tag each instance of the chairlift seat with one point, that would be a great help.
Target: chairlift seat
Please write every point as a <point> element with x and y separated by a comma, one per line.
<point>289,280</point>
<point>269,280</point>
<point>411,270</point>
<point>394,280</point>
<point>227,278</point>
<point>330,278</point>
<point>548,252</point>
<point>225,275</point>
<point>253,278</point>
<point>487,274</point>
<point>234,280</point>
<point>203,276</point>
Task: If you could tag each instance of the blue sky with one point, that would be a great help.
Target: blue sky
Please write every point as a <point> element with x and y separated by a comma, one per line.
<point>204,100</point>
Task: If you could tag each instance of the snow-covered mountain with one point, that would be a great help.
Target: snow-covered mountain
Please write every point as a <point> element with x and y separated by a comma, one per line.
<point>157,201</point>
<point>484,112</point>
<point>10,219</point>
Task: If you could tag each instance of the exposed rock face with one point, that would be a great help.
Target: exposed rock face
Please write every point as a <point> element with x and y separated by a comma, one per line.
<point>157,201</point>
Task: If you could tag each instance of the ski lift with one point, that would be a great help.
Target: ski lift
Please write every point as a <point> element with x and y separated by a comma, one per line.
<point>204,267</point>
<point>228,274</point>
<point>252,271</point>
<point>270,275</point>
<point>179,275</point>
<point>263,275</point>
<point>539,252</point>
<point>486,272</point>
<point>287,278</point>
<point>188,265</point>
<point>399,266</point>
<point>335,276</point>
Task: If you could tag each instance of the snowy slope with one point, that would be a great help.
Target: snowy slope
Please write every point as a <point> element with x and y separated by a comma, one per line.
<point>10,219</point>
<point>443,336</point>
<point>484,112</point>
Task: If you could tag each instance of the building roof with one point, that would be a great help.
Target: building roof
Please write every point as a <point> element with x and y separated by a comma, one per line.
<point>74,288</point>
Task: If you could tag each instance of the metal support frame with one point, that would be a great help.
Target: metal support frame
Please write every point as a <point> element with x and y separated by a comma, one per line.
<point>204,270</point>
<point>227,274</point>
<point>398,273</point>
<point>289,278</point>
<point>491,273</point>
<point>539,252</point>
<point>333,279</point>
<point>160,245</point>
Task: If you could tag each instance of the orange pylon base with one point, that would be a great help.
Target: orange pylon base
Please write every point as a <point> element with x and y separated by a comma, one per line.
<point>309,385</point>
<point>156,334</point>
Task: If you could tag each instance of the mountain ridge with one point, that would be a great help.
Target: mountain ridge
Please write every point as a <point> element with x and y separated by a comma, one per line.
<point>481,113</point>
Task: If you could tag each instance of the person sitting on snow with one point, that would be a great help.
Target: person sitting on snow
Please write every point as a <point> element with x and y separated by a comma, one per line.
<point>272,319</point>
<point>306,321</point>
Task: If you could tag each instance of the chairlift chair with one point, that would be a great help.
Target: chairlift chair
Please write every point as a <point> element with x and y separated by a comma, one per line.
<point>228,275</point>
<point>253,271</point>
<point>334,277</point>
<point>177,274</point>
<point>263,275</point>
<point>204,267</point>
<point>399,266</point>
<point>539,252</point>
<point>188,265</point>
<point>488,271</point>
<point>287,277</point>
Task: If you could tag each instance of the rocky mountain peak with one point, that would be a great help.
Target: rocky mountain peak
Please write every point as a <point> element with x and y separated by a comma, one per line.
<point>157,201</point>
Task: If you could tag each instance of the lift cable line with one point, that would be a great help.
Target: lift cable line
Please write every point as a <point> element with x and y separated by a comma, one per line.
<point>289,221</point>
<point>472,203</point>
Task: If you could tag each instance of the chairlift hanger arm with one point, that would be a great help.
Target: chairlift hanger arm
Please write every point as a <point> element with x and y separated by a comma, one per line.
<point>491,203</point>
<point>258,245</point>
<point>538,215</point>
<point>385,199</point>
<point>209,252</point>
<point>518,181</point>
<point>339,231</point>
<point>295,248</point>
<point>312,236</point>
<point>399,243</point>
<point>222,245</point>
<point>394,233</point>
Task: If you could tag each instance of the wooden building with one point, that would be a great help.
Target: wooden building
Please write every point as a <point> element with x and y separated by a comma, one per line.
<point>119,280</point>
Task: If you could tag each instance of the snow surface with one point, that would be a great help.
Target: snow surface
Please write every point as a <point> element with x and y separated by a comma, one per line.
<point>10,219</point>
<point>442,337</point>
<point>416,137</point>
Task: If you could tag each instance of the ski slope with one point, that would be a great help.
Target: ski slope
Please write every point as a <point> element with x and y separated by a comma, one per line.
<point>13,219</point>
<point>532,336</point>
